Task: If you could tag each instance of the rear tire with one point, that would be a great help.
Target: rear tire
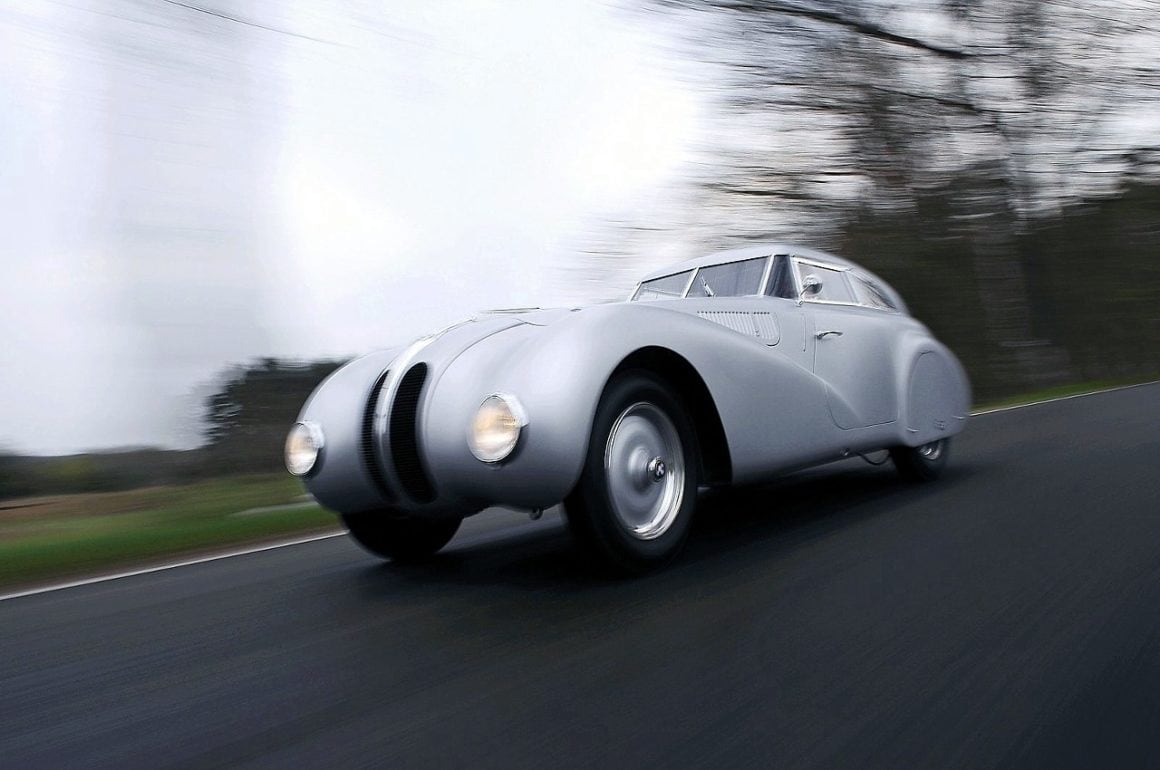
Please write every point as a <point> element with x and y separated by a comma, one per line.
<point>400,538</point>
<point>921,463</point>
<point>634,502</point>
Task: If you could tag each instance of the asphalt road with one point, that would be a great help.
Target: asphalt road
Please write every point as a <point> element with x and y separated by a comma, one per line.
<point>1007,616</point>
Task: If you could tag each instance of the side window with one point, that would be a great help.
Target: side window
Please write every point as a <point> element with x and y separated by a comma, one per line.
<point>781,279</point>
<point>669,287</point>
<point>871,294</point>
<point>833,284</point>
<point>732,279</point>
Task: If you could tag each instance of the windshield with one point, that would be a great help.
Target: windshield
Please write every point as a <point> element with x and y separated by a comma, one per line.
<point>742,278</point>
<point>669,287</point>
<point>732,279</point>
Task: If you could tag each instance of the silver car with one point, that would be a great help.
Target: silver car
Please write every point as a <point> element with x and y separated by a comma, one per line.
<point>727,369</point>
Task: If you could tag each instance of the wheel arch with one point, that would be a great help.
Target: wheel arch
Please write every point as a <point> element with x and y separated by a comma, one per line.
<point>673,369</point>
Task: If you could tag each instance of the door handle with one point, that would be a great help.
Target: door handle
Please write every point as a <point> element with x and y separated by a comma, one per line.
<point>828,332</point>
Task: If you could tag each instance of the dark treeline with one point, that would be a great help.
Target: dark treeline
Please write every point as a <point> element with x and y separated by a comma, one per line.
<point>246,420</point>
<point>990,158</point>
<point>1091,288</point>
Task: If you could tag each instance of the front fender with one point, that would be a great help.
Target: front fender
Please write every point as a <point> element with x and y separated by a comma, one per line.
<point>340,480</point>
<point>559,372</point>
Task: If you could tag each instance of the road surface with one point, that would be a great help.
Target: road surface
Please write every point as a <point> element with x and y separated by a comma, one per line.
<point>1007,616</point>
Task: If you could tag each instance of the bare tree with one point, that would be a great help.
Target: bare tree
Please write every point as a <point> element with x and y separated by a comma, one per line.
<point>971,120</point>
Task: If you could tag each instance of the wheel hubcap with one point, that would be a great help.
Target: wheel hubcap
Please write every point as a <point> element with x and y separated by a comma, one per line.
<point>657,469</point>
<point>644,466</point>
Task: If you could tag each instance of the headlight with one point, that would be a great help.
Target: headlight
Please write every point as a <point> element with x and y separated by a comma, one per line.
<point>495,431</point>
<point>303,446</point>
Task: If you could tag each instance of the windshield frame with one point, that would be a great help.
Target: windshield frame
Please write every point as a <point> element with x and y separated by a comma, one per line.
<point>635,297</point>
<point>696,271</point>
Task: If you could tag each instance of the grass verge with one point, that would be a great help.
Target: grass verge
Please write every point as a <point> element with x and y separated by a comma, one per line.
<point>77,535</point>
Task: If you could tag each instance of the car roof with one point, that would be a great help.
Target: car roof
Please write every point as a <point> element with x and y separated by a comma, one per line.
<point>750,252</point>
<point>769,249</point>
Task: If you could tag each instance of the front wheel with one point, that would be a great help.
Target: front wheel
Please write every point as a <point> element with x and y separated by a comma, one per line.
<point>921,463</point>
<point>401,538</point>
<point>633,504</point>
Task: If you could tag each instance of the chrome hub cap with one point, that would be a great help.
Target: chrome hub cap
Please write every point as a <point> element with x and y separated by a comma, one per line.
<point>644,466</point>
<point>931,451</point>
<point>657,469</point>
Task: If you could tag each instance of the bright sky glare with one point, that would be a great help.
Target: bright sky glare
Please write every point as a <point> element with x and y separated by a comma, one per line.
<point>182,192</point>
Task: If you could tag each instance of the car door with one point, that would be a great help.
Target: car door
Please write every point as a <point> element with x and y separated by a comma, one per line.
<point>852,347</point>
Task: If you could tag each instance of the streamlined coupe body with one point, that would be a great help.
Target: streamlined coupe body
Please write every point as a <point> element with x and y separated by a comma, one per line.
<point>728,369</point>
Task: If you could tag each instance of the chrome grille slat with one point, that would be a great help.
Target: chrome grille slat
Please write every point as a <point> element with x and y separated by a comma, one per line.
<point>404,436</point>
<point>368,444</point>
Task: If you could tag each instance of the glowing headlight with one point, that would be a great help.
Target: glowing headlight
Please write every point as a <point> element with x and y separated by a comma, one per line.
<point>495,431</point>
<point>303,446</point>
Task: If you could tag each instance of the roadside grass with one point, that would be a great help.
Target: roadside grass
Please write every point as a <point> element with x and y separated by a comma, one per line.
<point>77,535</point>
<point>46,539</point>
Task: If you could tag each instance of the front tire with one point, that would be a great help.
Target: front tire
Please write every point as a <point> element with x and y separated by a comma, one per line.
<point>921,463</point>
<point>400,538</point>
<point>634,502</point>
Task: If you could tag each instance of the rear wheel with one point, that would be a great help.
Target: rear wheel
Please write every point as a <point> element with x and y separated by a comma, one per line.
<point>633,504</point>
<point>401,538</point>
<point>921,463</point>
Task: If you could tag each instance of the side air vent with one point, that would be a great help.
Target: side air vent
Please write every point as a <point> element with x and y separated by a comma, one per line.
<point>369,455</point>
<point>766,326</point>
<point>405,438</point>
<point>759,324</point>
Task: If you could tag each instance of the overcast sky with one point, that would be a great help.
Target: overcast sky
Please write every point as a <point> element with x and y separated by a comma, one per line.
<point>181,191</point>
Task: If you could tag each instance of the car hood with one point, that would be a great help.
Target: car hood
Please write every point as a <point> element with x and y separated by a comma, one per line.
<point>535,316</point>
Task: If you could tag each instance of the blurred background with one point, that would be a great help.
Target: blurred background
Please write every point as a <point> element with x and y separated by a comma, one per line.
<point>206,206</point>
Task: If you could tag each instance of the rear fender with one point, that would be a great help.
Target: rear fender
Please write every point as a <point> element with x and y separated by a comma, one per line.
<point>934,391</point>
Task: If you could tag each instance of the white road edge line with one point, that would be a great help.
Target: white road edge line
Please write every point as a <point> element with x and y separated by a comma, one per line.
<point>996,410</point>
<point>170,565</point>
<point>314,538</point>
